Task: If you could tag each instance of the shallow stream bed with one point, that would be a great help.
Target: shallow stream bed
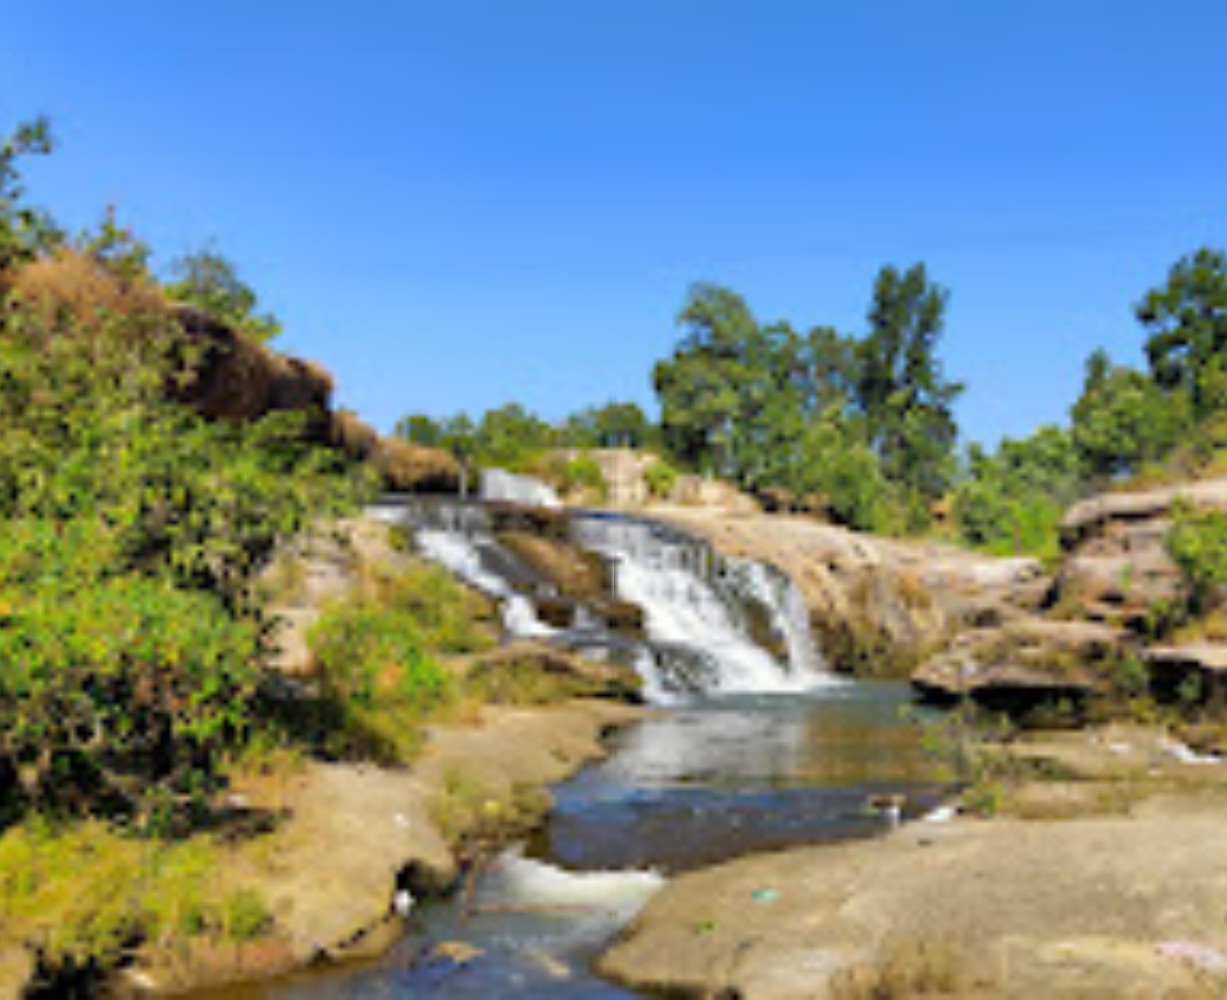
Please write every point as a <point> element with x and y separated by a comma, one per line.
<point>695,785</point>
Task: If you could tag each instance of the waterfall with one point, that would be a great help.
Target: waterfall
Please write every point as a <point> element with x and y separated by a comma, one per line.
<point>458,537</point>
<point>790,617</point>
<point>499,484</point>
<point>698,608</point>
<point>713,625</point>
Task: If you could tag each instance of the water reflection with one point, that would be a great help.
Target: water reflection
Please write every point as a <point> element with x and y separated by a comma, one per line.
<point>698,785</point>
<point>712,781</point>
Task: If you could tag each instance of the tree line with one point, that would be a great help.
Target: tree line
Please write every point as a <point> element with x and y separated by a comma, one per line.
<point>861,426</point>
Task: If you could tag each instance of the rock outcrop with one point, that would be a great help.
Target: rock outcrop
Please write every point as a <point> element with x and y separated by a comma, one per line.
<point>1097,907</point>
<point>1107,597</point>
<point>880,606</point>
<point>1116,566</point>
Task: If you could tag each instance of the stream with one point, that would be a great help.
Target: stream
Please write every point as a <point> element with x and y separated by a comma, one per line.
<point>755,746</point>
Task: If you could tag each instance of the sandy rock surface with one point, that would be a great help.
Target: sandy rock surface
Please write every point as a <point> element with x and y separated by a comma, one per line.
<point>1110,907</point>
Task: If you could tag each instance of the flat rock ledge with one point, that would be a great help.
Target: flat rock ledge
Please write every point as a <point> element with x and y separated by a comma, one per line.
<point>1090,908</point>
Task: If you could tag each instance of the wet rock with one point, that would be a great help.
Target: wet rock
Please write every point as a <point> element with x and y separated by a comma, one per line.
<point>623,617</point>
<point>557,612</point>
<point>574,572</point>
<point>542,522</point>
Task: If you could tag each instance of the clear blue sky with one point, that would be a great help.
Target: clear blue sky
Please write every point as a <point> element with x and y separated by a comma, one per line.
<point>455,204</point>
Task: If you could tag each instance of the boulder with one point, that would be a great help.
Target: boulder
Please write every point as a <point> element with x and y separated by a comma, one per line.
<point>1021,665</point>
<point>1117,568</point>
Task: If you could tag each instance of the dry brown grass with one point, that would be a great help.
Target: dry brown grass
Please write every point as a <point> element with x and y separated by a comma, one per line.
<point>70,287</point>
<point>352,435</point>
<point>406,466</point>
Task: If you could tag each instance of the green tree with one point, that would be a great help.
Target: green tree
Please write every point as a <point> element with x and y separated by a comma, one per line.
<point>900,388</point>
<point>511,437</point>
<point>1197,543</point>
<point>701,386</point>
<point>419,428</point>
<point>1187,322</point>
<point>24,229</point>
<point>1011,502</point>
<point>614,425</point>
<point>840,468</point>
<point>210,282</point>
<point>1123,419</point>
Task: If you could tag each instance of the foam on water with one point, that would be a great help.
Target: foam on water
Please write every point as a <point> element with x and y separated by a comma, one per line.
<point>514,880</point>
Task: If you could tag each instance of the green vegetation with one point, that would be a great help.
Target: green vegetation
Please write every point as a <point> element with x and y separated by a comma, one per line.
<point>861,427</point>
<point>25,230</point>
<point>510,437</point>
<point>1011,502</point>
<point>210,282</point>
<point>581,472</point>
<point>161,894</point>
<point>661,478</point>
<point>133,640</point>
<point>1197,541</point>
<point>380,653</point>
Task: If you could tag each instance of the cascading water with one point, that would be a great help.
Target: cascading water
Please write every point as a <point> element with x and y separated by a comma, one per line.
<point>699,609</point>
<point>458,537</point>
<point>509,487</point>
<point>700,605</point>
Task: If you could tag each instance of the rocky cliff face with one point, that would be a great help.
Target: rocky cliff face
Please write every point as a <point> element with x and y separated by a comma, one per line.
<point>236,379</point>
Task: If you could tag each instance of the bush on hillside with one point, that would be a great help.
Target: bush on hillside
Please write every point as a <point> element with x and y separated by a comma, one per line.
<point>131,531</point>
<point>379,657</point>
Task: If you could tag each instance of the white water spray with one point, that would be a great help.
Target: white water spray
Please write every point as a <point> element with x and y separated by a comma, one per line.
<point>510,487</point>
<point>690,598</point>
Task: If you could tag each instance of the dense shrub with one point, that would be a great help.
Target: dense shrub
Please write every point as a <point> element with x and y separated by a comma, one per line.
<point>582,472</point>
<point>661,478</point>
<point>1010,502</point>
<point>1197,542</point>
<point>378,654</point>
<point>120,693</point>
<point>130,643</point>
